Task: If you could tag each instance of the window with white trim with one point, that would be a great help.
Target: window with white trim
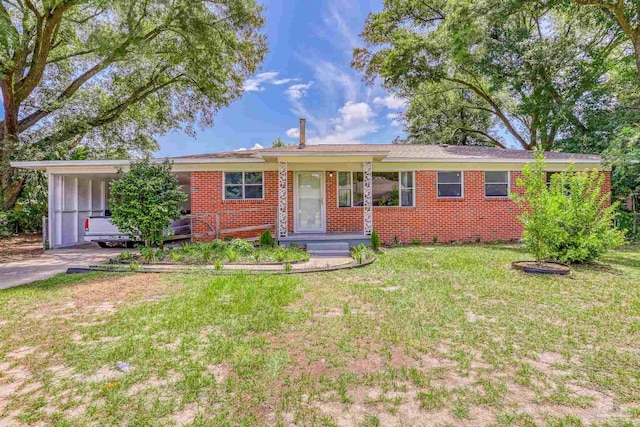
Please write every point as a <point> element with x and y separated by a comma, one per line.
<point>449,184</point>
<point>243,185</point>
<point>389,189</point>
<point>496,184</point>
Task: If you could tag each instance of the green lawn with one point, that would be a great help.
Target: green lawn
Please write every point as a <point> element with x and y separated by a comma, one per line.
<point>444,335</point>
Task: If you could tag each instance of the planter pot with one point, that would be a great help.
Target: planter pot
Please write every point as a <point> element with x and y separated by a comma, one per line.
<point>541,268</point>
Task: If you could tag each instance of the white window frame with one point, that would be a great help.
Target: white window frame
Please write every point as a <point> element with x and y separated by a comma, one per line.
<point>413,180</point>
<point>461,185</point>
<point>224,185</point>
<point>508,185</point>
<point>350,189</point>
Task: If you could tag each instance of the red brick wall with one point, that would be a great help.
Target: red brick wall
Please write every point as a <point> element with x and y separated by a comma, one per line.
<point>207,203</point>
<point>467,220</point>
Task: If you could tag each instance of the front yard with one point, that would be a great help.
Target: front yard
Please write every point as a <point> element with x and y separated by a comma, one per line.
<point>438,335</point>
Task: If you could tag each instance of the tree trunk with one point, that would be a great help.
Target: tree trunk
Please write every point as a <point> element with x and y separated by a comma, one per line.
<point>10,186</point>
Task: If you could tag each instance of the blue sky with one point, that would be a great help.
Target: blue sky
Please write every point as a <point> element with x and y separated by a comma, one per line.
<point>306,73</point>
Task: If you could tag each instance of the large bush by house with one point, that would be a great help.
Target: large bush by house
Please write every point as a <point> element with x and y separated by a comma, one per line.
<point>570,219</point>
<point>145,200</point>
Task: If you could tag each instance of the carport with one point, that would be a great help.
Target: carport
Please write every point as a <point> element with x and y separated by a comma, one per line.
<point>80,189</point>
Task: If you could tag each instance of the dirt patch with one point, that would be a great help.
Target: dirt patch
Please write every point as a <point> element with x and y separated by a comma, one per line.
<point>103,296</point>
<point>21,247</point>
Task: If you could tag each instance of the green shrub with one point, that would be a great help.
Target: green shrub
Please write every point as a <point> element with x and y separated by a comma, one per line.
<point>396,241</point>
<point>125,256</point>
<point>147,253</point>
<point>144,201</point>
<point>416,241</point>
<point>435,240</point>
<point>625,221</point>
<point>375,240</point>
<point>569,220</point>
<point>134,266</point>
<point>217,264</point>
<point>287,267</point>
<point>266,239</point>
<point>6,226</point>
<point>176,256</point>
<point>232,255</point>
<point>206,252</point>
<point>241,247</point>
<point>218,246</point>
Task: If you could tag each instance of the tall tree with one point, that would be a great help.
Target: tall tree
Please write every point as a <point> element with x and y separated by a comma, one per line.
<point>623,13</point>
<point>113,74</point>
<point>485,70</point>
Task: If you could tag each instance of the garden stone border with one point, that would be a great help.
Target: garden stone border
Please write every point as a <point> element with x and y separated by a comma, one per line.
<point>524,266</point>
<point>223,272</point>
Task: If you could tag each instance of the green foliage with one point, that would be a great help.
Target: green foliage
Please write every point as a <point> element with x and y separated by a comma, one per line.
<point>218,264</point>
<point>232,256</point>
<point>416,241</point>
<point>125,256</point>
<point>473,72</point>
<point>266,239</point>
<point>134,266</point>
<point>280,255</point>
<point>375,240</point>
<point>6,226</point>
<point>175,256</point>
<point>145,200</point>
<point>112,75</point>
<point>361,253</point>
<point>218,245</point>
<point>627,222</point>
<point>569,220</point>
<point>241,247</point>
<point>287,267</point>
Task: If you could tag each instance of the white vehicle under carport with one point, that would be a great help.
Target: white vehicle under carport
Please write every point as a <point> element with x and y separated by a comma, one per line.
<point>100,230</point>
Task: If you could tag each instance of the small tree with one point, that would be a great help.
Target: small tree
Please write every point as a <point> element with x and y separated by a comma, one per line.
<point>145,200</point>
<point>568,220</point>
<point>266,239</point>
<point>375,240</point>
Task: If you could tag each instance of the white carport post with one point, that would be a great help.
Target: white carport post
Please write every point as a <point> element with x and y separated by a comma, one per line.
<point>368,197</point>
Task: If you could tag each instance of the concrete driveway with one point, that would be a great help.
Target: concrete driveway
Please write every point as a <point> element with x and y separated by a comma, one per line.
<point>52,262</point>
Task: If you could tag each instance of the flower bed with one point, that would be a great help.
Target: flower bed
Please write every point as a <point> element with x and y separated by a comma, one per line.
<point>217,252</point>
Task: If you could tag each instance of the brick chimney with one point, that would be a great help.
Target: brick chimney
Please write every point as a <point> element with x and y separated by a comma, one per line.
<point>303,137</point>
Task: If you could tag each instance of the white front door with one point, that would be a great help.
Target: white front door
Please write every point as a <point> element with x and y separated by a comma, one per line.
<point>309,198</point>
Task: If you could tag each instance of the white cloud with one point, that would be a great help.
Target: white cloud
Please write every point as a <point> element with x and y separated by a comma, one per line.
<point>255,147</point>
<point>293,133</point>
<point>298,91</point>
<point>392,102</point>
<point>395,119</point>
<point>355,122</point>
<point>256,84</point>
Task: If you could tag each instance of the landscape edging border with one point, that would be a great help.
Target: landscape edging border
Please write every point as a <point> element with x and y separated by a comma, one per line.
<point>142,269</point>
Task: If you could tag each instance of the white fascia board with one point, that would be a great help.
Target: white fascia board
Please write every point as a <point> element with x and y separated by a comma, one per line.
<point>43,165</point>
<point>449,160</point>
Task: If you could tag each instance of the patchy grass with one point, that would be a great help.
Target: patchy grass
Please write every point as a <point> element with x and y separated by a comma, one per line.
<point>424,336</point>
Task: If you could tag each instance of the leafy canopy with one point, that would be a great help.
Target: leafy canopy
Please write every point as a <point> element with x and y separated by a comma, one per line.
<point>144,201</point>
<point>111,75</point>
<point>487,72</point>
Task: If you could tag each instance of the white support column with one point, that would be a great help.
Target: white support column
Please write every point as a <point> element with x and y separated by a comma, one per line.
<point>368,198</point>
<point>283,225</point>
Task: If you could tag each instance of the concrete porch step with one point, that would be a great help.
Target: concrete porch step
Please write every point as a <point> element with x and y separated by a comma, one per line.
<point>328,249</point>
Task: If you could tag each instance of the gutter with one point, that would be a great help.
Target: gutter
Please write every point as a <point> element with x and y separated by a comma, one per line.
<point>481,160</point>
<point>117,163</point>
